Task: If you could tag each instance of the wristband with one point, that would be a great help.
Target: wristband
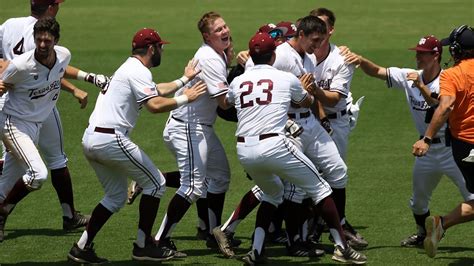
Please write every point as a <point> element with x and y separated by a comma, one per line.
<point>181,100</point>
<point>427,140</point>
<point>81,75</point>
<point>181,82</point>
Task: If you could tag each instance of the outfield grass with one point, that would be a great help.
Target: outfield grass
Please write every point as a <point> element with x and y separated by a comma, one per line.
<point>99,33</point>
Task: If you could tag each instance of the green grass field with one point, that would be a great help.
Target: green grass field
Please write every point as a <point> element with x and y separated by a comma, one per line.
<point>99,34</point>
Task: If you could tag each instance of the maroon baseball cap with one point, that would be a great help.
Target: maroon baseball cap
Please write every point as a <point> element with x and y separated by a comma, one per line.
<point>45,2</point>
<point>267,28</point>
<point>145,37</point>
<point>287,28</point>
<point>261,43</point>
<point>428,44</point>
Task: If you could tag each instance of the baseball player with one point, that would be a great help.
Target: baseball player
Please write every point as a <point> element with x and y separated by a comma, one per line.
<point>191,138</point>
<point>333,79</point>
<point>262,97</point>
<point>115,157</point>
<point>455,103</point>
<point>35,76</point>
<point>16,37</point>
<point>421,88</point>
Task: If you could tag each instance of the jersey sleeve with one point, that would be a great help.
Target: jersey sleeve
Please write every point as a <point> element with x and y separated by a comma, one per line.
<point>397,77</point>
<point>11,74</point>
<point>447,86</point>
<point>143,86</point>
<point>214,73</point>
<point>230,96</point>
<point>342,80</point>
<point>298,94</point>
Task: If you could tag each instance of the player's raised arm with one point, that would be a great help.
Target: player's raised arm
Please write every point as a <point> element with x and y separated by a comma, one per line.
<point>98,80</point>
<point>369,67</point>
<point>161,104</point>
<point>190,71</point>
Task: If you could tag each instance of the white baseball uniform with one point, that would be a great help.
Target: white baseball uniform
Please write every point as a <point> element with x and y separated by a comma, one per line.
<point>262,96</point>
<point>28,105</point>
<point>334,75</point>
<point>106,141</point>
<point>16,37</point>
<point>190,136</point>
<point>315,142</point>
<point>439,160</point>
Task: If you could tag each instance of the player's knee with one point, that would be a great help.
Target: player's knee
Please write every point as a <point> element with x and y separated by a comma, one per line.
<point>56,162</point>
<point>114,202</point>
<point>418,206</point>
<point>154,190</point>
<point>191,195</point>
<point>35,177</point>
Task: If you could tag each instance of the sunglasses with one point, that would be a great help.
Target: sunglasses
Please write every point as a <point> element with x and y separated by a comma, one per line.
<point>275,33</point>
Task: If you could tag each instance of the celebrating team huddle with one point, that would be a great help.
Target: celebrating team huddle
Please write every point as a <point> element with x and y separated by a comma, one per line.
<point>290,95</point>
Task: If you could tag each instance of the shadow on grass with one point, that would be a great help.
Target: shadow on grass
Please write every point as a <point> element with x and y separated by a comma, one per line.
<point>69,263</point>
<point>461,261</point>
<point>15,233</point>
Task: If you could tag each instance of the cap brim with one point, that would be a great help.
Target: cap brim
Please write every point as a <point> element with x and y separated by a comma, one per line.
<point>420,49</point>
<point>164,42</point>
<point>445,42</point>
<point>59,1</point>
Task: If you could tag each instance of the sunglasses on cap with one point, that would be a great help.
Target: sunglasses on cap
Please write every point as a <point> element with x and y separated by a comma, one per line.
<point>275,33</point>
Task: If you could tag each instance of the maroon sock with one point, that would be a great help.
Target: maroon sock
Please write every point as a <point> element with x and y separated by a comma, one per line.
<point>202,212</point>
<point>327,210</point>
<point>293,219</point>
<point>246,206</point>
<point>420,220</point>
<point>172,179</point>
<point>339,197</point>
<point>177,207</point>
<point>215,203</point>
<point>62,183</point>
<point>148,209</point>
<point>278,217</point>
<point>99,217</point>
<point>18,192</point>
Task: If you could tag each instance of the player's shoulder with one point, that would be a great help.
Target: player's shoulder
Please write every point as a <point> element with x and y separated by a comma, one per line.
<point>24,61</point>
<point>62,51</point>
<point>14,23</point>
<point>205,52</point>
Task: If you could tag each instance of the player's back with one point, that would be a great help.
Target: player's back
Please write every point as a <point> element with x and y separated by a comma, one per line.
<point>262,96</point>
<point>16,36</point>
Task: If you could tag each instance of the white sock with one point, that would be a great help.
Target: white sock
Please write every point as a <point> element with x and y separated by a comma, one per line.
<point>258,239</point>
<point>140,238</point>
<point>162,227</point>
<point>67,212</point>
<point>337,237</point>
<point>83,240</point>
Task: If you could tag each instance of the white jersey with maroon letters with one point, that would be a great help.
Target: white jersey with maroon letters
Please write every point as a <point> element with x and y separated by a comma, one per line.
<point>439,160</point>
<point>262,96</point>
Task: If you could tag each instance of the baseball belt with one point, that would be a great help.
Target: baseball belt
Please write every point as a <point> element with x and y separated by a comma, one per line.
<point>260,137</point>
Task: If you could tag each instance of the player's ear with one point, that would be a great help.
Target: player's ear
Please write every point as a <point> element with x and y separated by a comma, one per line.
<point>331,30</point>
<point>205,36</point>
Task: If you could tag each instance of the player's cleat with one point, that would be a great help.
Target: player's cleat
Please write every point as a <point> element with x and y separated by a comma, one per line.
<point>253,258</point>
<point>279,237</point>
<point>151,252</point>
<point>302,249</point>
<point>133,191</point>
<point>470,157</point>
<point>415,240</point>
<point>201,234</point>
<point>3,219</point>
<point>223,242</point>
<point>85,256</point>
<point>354,239</point>
<point>167,243</point>
<point>434,233</point>
<point>77,220</point>
<point>211,241</point>
<point>348,255</point>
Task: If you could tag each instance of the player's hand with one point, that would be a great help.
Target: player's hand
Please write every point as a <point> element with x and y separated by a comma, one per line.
<point>195,91</point>
<point>243,57</point>
<point>190,70</point>
<point>420,148</point>
<point>98,80</point>
<point>350,57</point>
<point>415,77</point>
<point>4,87</point>
<point>344,50</point>
<point>307,80</point>
<point>81,96</point>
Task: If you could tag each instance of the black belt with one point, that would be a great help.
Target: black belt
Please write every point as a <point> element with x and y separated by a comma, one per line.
<point>260,137</point>
<point>181,121</point>
<point>104,130</point>
<point>302,115</point>
<point>334,115</point>
<point>434,141</point>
